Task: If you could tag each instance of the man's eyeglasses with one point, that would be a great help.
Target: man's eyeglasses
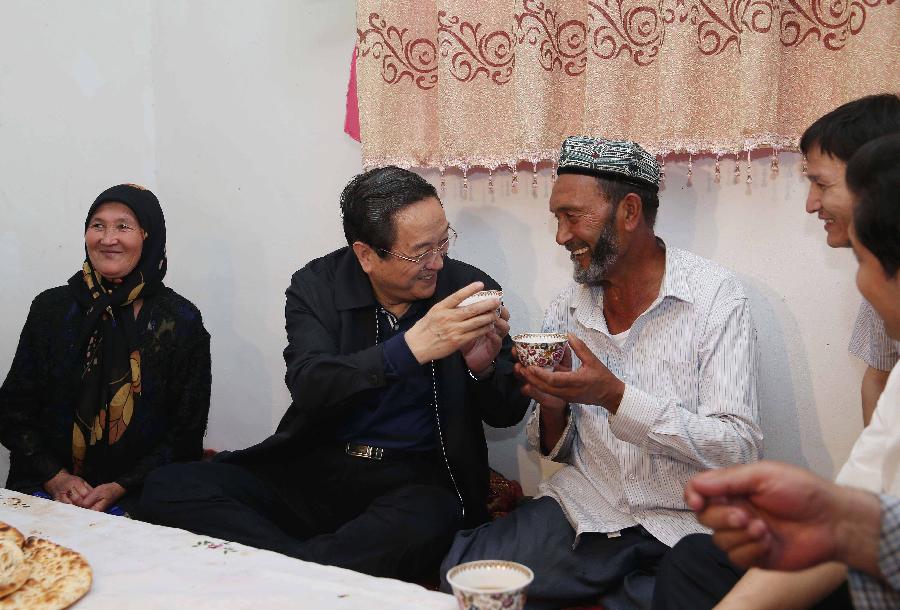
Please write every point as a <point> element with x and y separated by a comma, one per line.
<point>426,257</point>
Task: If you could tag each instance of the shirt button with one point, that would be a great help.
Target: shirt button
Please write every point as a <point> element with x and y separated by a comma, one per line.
<point>631,477</point>
<point>373,379</point>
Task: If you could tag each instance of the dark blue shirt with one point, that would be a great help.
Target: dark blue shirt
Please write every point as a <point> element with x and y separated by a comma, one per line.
<point>402,416</point>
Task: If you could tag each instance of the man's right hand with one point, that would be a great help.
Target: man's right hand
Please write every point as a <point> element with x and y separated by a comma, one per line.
<point>67,488</point>
<point>781,517</point>
<point>446,328</point>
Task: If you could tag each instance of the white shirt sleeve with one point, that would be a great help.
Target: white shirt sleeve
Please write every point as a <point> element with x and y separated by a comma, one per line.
<point>725,428</point>
<point>873,462</point>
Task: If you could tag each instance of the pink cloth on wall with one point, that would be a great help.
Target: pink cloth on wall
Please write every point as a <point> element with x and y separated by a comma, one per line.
<point>351,120</point>
<point>463,83</point>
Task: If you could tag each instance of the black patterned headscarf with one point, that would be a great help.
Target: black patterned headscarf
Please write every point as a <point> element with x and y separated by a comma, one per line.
<point>111,373</point>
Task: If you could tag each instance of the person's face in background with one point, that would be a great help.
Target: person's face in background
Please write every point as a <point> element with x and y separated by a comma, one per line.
<point>829,196</point>
<point>878,288</point>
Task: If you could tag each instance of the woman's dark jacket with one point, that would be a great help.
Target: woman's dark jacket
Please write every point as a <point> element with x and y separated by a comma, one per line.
<point>334,364</point>
<point>38,398</point>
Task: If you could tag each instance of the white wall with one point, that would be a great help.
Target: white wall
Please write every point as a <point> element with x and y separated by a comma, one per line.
<point>232,112</point>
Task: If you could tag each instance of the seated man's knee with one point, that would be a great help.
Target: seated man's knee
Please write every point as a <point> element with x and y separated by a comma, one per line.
<point>694,574</point>
<point>691,552</point>
<point>440,509</point>
<point>165,485</point>
<point>444,503</point>
<point>692,545</point>
<point>427,537</point>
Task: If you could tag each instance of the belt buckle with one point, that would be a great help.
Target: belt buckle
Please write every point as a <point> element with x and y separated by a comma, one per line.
<point>365,451</point>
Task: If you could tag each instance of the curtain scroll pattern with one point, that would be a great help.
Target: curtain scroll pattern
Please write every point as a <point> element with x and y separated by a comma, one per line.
<point>486,83</point>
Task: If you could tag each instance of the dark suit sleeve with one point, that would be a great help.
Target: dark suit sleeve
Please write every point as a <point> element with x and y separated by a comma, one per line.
<point>321,380</point>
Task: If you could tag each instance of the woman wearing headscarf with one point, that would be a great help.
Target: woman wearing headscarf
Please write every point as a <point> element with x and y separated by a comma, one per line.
<point>111,377</point>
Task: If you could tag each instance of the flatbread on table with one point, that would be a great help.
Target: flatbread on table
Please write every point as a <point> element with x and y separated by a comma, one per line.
<point>14,570</point>
<point>58,577</point>
<point>8,532</point>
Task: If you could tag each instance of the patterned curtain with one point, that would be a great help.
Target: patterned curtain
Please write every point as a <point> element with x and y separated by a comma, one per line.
<point>467,83</point>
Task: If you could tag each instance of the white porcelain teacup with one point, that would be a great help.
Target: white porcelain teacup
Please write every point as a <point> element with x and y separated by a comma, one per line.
<point>540,349</point>
<point>481,296</point>
<point>490,584</point>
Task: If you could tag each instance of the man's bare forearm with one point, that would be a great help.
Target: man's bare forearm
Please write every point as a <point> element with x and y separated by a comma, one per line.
<point>772,590</point>
<point>873,383</point>
<point>553,424</point>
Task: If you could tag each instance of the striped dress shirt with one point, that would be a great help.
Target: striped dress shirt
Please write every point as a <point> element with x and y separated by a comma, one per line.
<point>870,341</point>
<point>689,364</point>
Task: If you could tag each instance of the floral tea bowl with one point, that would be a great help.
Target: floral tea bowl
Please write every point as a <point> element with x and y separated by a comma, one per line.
<point>540,349</point>
<point>490,584</point>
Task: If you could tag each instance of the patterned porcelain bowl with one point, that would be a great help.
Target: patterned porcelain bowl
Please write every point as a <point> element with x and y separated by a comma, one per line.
<point>540,349</point>
<point>490,584</point>
<point>482,295</point>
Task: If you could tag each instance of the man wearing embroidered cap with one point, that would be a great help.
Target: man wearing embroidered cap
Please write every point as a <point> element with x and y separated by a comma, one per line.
<point>659,385</point>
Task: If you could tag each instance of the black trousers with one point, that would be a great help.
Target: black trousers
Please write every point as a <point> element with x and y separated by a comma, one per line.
<point>695,574</point>
<point>392,518</point>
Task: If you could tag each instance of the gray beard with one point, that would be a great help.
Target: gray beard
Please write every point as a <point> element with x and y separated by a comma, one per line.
<point>604,254</point>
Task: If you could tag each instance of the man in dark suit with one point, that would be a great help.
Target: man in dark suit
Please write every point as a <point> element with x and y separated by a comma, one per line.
<point>381,457</point>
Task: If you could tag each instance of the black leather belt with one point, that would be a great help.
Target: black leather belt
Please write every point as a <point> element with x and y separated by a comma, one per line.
<point>380,453</point>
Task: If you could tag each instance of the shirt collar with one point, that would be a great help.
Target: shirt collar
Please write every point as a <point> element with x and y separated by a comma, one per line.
<point>675,281</point>
<point>674,284</point>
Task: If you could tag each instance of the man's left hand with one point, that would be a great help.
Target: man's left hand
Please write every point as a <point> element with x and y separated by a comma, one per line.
<point>481,353</point>
<point>591,384</point>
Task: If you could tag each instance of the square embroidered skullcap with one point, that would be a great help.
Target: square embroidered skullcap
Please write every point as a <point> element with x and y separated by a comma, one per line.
<point>621,160</point>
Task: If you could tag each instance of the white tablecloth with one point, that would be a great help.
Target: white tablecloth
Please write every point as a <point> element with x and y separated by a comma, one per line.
<point>137,565</point>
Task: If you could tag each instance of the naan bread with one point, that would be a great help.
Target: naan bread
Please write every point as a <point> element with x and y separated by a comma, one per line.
<point>59,578</point>
<point>8,532</point>
<point>14,570</point>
